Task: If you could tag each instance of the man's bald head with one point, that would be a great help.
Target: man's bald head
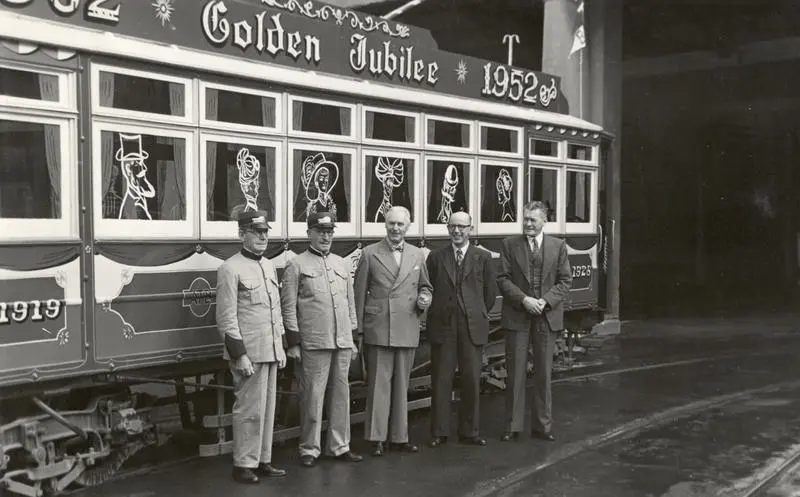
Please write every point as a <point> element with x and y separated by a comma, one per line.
<point>459,227</point>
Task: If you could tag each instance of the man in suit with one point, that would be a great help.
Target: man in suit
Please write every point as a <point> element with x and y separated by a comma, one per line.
<point>319,315</point>
<point>534,280</point>
<point>458,328</point>
<point>392,290</point>
<point>249,320</point>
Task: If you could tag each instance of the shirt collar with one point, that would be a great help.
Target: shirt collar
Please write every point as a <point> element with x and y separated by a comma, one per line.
<point>251,255</point>
<point>463,249</point>
<point>394,247</point>
<point>539,239</point>
<point>316,252</point>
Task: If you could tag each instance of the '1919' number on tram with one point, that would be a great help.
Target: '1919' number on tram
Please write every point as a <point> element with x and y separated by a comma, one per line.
<point>35,310</point>
<point>581,271</point>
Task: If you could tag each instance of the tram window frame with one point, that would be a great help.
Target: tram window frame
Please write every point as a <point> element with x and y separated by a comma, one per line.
<point>589,226</point>
<point>299,134</point>
<point>499,228</point>
<point>64,227</point>
<point>440,229</point>
<point>280,122</point>
<point>556,226</point>
<point>189,96</point>
<point>67,93</point>
<point>125,229</point>
<point>379,229</point>
<point>228,230</point>
<point>471,149</point>
<point>499,153</point>
<point>350,229</point>
<point>389,143</point>
<point>560,149</point>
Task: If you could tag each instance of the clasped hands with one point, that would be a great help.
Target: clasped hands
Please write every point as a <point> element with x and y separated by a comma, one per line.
<point>534,306</point>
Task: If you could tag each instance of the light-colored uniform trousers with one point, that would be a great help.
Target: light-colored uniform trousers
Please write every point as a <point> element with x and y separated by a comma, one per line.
<point>324,377</point>
<point>388,373</point>
<point>254,415</point>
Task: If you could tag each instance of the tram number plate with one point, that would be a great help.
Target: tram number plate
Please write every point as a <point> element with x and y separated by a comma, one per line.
<point>34,310</point>
<point>581,271</point>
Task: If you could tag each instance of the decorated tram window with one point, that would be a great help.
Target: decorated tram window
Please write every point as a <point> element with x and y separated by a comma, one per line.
<point>500,193</point>
<point>244,108</point>
<point>390,126</point>
<point>32,85</point>
<point>319,117</point>
<point>390,179</point>
<point>579,197</point>
<point>500,139</point>
<point>30,170</point>
<point>448,182</point>
<point>544,187</point>
<point>448,133</point>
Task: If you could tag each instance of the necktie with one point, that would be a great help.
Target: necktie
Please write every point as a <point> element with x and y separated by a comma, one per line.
<point>459,257</point>
<point>534,245</point>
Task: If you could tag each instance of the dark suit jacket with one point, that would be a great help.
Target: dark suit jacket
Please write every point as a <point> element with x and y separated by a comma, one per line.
<point>514,281</point>
<point>477,285</point>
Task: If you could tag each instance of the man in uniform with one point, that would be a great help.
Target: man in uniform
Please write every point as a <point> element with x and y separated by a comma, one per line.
<point>458,328</point>
<point>534,280</point>
<point>392,290</point>
<point>249,320</point>
<point>319,315</point>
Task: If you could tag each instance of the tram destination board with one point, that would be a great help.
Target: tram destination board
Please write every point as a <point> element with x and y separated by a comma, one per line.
<point>308,35</point>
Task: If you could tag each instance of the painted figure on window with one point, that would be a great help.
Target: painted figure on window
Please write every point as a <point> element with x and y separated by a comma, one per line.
<point>249,170</point>
<point>390,173</point>
<point>319,177</point>
<point>138,188</point>
<point>504,186</point>
<point>449,187</point>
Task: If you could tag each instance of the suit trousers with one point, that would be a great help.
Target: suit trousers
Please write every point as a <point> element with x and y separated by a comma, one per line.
<point>323,370</point>
<point>388,374</point>
<point>460,350</point>
<point>543,340</point>
<point>254,414</point>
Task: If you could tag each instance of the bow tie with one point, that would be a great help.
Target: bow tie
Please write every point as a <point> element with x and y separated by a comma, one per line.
<point>398,248</point>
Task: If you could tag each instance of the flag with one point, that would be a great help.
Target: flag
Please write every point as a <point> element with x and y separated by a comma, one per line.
<point>563,42</point>
<point>579,36</point>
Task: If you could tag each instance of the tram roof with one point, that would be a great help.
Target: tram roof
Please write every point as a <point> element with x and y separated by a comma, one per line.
<point>29,29</point>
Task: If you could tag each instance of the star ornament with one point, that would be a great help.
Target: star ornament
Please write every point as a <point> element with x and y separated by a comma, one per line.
<point>461,72</point>
<point>164,11</point>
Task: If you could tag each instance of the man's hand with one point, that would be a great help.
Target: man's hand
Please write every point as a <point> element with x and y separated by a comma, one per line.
<point>423,301</point>
<point>244,366</point>
<point>533,305</point>
<point>293,352</point>
<point>281,358</point>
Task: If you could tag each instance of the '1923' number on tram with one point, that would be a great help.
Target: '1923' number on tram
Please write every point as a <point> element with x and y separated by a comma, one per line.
<point>581,271</point>
<point>35,310</point>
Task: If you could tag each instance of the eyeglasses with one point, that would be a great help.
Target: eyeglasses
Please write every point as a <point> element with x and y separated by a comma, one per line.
<point>259,233</point>
<point>460,227</point>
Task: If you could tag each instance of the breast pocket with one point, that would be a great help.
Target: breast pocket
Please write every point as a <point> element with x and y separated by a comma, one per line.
<point>312,281</point>
<point>252,290</point>
<point>340,280</point>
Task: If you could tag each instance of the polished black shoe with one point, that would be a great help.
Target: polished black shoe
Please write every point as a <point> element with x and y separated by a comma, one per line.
<point>472,440</point>
<point>377,449</point>
<point>404,447</point>
<point>308,461</point>
<point>270,471</point>
<point>437,441</point>
<point>548,436</point>
<point>245,475</point>
<point>509,436</point>
<point>349,457</point>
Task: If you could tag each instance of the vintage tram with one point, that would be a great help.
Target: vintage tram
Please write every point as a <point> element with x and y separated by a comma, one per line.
<point>130,132</point>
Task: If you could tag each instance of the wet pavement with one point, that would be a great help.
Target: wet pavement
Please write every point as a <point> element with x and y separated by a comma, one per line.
<point>669,409</point>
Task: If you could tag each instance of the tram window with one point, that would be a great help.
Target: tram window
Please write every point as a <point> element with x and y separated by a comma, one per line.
<point>544,148</point>
<point>389,181</point>
<point>30,170</point>
<point>240,108</point>
<point>239,176</point>
<point>28,84</point>
<point>579,152</point>
<point>544,187</point>
<point>313,117</point>
<point>321,181</point>
<point>579,196</point>
<point>143,176</point>
<point>449,184</point>
<point>142,94</point>
<point>496,139</point>
<point>389,127</point>
<point>499,193</point>
<point>449,133</point>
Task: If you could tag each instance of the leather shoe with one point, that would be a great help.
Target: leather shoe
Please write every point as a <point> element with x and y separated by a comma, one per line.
<point>244,475</point>
<point>349,457</point>
<point>308,461</point>
<point>377,449</point>
<point>509,436</point>
<point>548,436</point>
<point>270,471</point>
<point>404,447</point>
<point>472,440</point>
<point>437,441</point>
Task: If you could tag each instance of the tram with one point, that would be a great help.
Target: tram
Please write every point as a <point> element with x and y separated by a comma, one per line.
<point>129,136</point>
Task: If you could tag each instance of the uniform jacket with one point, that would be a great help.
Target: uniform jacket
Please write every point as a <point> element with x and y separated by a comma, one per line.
<point>478,288</point>
<point>386,297</point>
<point>319,310</point>
<point>514,281</point>
<point>249,308</point>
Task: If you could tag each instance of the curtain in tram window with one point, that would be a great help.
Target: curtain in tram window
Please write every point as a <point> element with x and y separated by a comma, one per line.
<point>52,145</point>
<point>369,124</point>
<point>344,121</point>
<point>211,176</point>
<point>106,89</point>
<point>268,112</point>
<point>108,173</point>
<point>297,115</point>
<point>580,196</point>
<point>178,170</point>
<point>410,129</point>
<point>212,104</point>
<point>176,100</point>
<point>431,132</point>
<point>465,135</point>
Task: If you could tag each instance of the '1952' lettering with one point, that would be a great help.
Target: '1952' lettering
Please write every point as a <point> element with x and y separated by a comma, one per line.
<point>35,310</point>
